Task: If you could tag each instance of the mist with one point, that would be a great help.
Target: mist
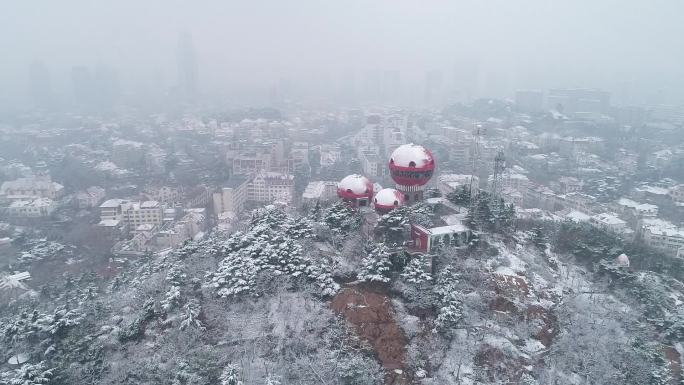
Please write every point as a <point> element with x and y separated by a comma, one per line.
<point>325,50</point>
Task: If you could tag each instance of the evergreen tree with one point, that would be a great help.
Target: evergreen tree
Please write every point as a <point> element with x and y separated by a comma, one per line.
<point>299,228</point>
<point>28,374</point>
<point>450,311</point>
<point>270,216</point>
<point>316,212</point>
<point>415,271</point>
<point>420,214</point>
<point>460,196</point>
<point>377,265</point>
<point>393,225</point>
<point>341,218</point>
<point>538,237</point>
<point>230,376</point>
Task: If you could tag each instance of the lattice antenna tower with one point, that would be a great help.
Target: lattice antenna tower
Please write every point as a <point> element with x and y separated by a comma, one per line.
<point>477,132</point>
<point>497,178</point>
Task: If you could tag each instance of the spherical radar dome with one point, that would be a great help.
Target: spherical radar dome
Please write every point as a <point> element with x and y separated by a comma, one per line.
<point>387,199</point>
<point>411,165</point>
<point>355,187</point>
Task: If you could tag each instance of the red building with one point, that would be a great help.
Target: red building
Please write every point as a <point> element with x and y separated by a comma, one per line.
<point>356,190</point>
<point>388,199</point>
<point>411,167</point>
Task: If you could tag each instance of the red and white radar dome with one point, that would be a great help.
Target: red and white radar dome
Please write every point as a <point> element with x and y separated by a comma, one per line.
<point>411,165</point>
<point>387,199</point>
<point>355,187</point>
<point>622,260</point>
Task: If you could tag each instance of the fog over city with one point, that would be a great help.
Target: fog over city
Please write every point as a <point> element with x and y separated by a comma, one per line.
<point>351,192</point>
<point>322,50</point>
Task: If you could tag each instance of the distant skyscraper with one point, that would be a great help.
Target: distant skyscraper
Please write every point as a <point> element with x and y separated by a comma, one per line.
<point>187,66</point>
<point>82,85</point>
<point>106,86</point>
<point>465,82</point>
<point>40,86</point>
<point>433,86</point>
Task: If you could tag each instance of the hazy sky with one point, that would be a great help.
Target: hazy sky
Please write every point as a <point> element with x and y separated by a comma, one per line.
<point>631,47</point>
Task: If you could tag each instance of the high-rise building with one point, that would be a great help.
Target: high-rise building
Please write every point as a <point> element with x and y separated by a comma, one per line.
<point>187,66</point>
<point>433,86</point>
<point>106,86</point>
<point>82,85</point>
<point>40,87</point>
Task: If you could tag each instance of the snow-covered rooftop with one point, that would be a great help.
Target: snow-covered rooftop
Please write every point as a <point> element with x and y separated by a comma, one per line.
<point>450,229</point>
<point>405,154</point>
<point>357,184</point>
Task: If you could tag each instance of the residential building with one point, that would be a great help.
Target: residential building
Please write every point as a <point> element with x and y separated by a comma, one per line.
<point>232,197</point>
<point>677,194</point>
<point>569,184</point>
<point>539,196</point>
<point>453,182</point>
<point>634,210</point>
<point>662,235</point>
<point>89,198</point>
<point>610,222</point>
<point>319,191</point>
<point>147,212</point>
<point>577,201</point>
<point>269,187</point>
<point>40,186</point>
<point>31,208</point>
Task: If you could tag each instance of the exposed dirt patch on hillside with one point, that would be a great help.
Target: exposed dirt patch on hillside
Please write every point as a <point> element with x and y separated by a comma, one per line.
<point>497,364</point>
<point>674,362</point>
<point>372,317</point>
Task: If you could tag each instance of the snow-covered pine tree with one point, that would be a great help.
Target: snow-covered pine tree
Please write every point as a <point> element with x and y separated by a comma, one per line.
<point>415,271</point>
<point>299,228</point>
<point>450,312</point>
<point>230,376</point>
<point>376,266</point>
<point>271,216</point>
<point>28,374</point>
<point>538,237</point>
<point>393,225</point>
<point>190,316</point>
<point>421,214</point>
<point>460,196</point>
<point>341,218</point>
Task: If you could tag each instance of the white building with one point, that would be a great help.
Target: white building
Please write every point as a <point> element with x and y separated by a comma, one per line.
<point>31,187</point>
<point>452,182</point>
<point>114,212</point>
<point>147,212</point>
<point>232,197</point>
<point>677,194</point>
<point>611,223</point>
<point>636,210</point>
<point>319,191</point>
<point>569,184</point>
<point>577,201</point>
<point>91,197</point>
<point>662,235</point>
<point>31,208</point>
<point>269,187</point>
<point>539,196</point>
